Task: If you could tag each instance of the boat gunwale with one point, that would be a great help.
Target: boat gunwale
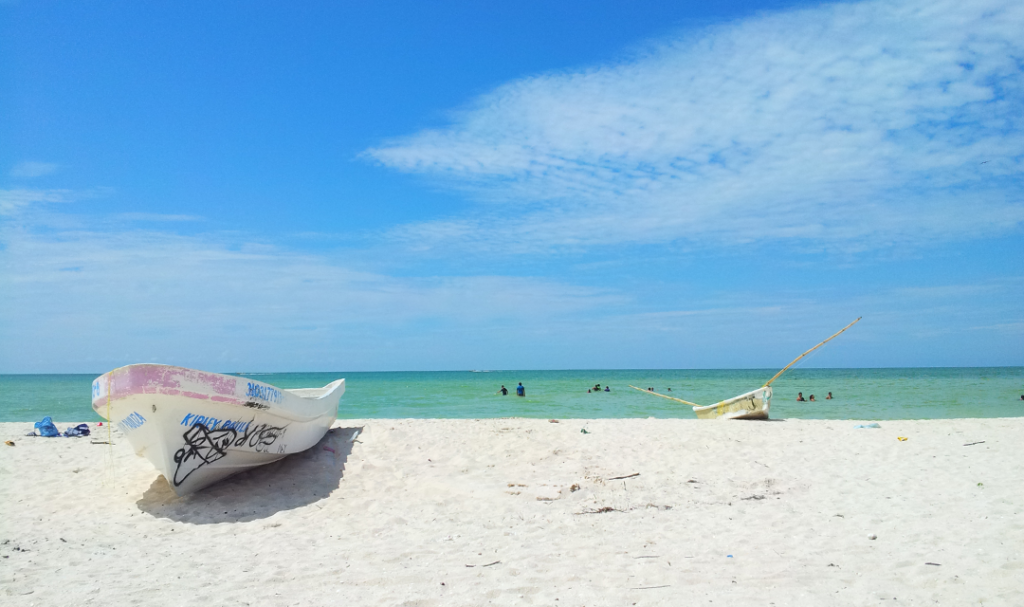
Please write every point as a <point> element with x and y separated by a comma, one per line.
<point>730,401</point>
<point>213,396</point>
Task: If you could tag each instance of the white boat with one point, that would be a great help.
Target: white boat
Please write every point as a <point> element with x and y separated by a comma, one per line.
<point>752,405</point>
<point>197,428</point>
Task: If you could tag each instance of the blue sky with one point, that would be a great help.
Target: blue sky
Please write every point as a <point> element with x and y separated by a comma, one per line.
<point>411,185</point>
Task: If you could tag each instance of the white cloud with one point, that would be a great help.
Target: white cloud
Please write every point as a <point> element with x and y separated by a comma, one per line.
<point>31,170</point>
<point>93,300</point>
<point>77,300</point>
<point>156,217</point>
<point>13,201</point>
<point>862,124</point>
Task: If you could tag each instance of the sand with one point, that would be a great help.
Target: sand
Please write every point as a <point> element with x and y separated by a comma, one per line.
<point>528,512</point>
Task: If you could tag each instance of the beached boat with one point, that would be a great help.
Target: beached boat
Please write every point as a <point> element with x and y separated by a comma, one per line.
<point>198,428</point>
<point>752,405</point>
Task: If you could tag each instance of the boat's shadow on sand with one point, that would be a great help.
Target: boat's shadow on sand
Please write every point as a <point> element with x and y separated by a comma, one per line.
<point>297,480</point>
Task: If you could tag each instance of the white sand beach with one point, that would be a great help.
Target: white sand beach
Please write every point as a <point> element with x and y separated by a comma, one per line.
<point>528,512</point>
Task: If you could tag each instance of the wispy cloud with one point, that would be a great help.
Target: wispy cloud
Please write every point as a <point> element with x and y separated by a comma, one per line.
<point>862,125</point>
<point>156,217</point>
<point>79,297</point>
<point>31,170</point>
<point>27,205</point>
<point>91,299</point>
<point>13,201</point>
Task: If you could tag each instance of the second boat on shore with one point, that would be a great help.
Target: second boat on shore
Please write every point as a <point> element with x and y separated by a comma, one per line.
<point>752,405</point>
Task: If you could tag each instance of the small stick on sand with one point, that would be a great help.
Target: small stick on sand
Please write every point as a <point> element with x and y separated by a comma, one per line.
<point>619,478</point>
<point>602,510</point>
<point>977,443</point>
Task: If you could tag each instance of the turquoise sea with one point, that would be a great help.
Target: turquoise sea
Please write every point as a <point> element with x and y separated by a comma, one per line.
<point>863,394</point>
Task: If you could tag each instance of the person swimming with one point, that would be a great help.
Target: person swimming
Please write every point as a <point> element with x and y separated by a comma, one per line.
<point>812,399</point>
<point>829,397</point>
<point>504,391</point>
<point>607,389</point>
<point>800,397</point>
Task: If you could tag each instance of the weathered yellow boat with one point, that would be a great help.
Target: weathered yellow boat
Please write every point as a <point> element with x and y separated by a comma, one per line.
<point>752,405</point>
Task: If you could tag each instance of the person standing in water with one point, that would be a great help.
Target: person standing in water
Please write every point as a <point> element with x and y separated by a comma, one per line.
<point>520,390</point>
<point>504,391</point>
<point>800,397</point>
<point>829,397</point>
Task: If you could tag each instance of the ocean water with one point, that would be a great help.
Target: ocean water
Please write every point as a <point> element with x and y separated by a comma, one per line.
<point>863,394</point>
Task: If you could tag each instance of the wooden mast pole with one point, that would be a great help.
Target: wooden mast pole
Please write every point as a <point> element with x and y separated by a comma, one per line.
<point>685,402</point>
<point>795,360</point>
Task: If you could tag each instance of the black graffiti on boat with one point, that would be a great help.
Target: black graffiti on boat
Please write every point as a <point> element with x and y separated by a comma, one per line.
<point>255,405</point>
<point>260,437</point>
<point>204,446</point>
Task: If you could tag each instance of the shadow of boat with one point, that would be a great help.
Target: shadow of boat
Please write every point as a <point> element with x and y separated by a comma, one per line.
<point>295,481</point>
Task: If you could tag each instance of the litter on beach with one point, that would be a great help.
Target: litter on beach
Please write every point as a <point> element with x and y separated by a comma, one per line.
<point>46,427</point>
<point>79,430</point>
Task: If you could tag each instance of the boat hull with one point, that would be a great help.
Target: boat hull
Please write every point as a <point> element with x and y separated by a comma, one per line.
<point>752,405</point>
<point>197,428</point>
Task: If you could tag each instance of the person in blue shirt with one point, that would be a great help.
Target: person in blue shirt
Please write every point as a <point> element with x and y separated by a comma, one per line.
<point>520,390</point>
